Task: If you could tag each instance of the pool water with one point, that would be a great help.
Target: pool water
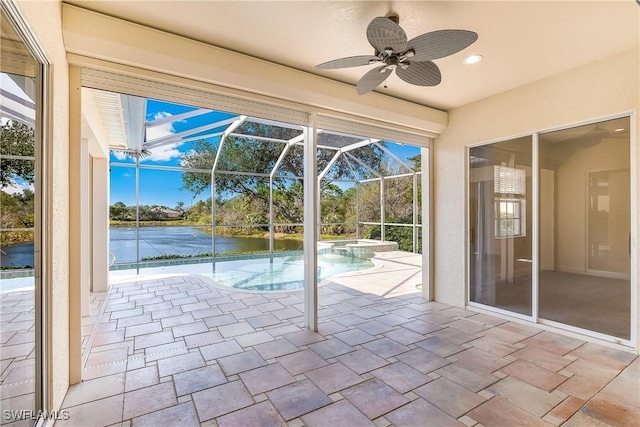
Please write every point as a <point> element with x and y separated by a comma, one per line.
<point>279,273</point>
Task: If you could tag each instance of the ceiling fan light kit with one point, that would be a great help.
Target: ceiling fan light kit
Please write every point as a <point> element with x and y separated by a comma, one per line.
<point>411,59</point>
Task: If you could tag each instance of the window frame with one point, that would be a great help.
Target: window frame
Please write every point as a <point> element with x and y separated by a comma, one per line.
<point>521,217</point>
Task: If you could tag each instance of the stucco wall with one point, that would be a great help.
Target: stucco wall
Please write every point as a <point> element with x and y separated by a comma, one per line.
<point>45,19</point>
<point>595,90</point>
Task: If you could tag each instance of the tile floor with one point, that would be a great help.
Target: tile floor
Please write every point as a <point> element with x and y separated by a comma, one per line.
<point>181,351</point>
<point>17,349</point>
<point>17,346</point>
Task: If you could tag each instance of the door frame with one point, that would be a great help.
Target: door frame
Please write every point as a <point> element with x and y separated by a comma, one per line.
<point>634,215</point>
<point>43,210</point>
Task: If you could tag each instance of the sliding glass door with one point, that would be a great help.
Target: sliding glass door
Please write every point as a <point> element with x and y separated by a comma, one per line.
<point>581,251</point>
<point>500,225</point>
<point>21,248</point>
<point>585,229</point>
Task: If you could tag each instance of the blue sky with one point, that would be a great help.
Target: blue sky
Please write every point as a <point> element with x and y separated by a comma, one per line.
<point>165,187</point>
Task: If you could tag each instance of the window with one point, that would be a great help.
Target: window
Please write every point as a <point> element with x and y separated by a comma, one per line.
<point>509,185</point>
<point>510,217</point>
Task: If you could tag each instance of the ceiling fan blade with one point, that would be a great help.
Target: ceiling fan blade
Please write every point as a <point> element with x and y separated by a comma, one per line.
<point>350,61</point>
<point>441,43</point>
<point>384,34</point>
<point>420,73</point>
<point>372,79</point>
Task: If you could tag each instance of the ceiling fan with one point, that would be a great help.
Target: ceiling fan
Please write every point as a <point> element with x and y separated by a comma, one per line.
<point>412,60</point>
<point>132,153</point>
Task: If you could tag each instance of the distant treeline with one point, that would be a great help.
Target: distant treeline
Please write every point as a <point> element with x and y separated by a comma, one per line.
<point>17,212</point>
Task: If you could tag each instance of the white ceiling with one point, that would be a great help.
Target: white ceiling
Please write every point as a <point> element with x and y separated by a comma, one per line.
<point>521,41</point>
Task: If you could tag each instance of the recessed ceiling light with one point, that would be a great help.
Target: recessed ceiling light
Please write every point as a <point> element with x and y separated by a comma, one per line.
<point>618,130</point>
<point>473,59</point>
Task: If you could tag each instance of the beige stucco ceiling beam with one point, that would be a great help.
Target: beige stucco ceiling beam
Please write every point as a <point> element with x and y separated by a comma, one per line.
<point>94,35</point>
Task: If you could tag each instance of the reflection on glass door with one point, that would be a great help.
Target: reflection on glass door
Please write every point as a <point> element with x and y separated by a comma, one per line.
<point>500,226</point>
<point>585,227</point>
<point>608,235</point>
<point>19,198</point>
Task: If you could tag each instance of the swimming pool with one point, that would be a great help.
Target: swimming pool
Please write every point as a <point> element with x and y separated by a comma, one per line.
<point>281,272</point>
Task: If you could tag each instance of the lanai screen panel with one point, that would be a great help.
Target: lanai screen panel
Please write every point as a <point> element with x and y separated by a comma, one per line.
<point>338,209</point>
<point>336,140</point>
<point>173,131</point>
<point>378,160</point>
<point>257,167</point>
<point>341,170</point>
<point>291,164</point>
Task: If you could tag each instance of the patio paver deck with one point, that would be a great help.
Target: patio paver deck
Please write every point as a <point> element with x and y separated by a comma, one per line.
<point>383,355</point>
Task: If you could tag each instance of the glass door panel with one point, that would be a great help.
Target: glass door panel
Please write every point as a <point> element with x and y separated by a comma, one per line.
<point>585,227</point>
<point>500,225</point>
<point>608,208</point>
<point>19,223</point>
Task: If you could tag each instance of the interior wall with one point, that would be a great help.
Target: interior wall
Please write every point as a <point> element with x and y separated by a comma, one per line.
<point>547,219</point>
<point>45,19</point>
<point>599,89</point>
<point>572,202</point>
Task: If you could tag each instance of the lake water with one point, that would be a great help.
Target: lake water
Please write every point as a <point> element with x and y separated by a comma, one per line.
<point>156,241</point>
<point>17,255</point>
<point>186,241</point>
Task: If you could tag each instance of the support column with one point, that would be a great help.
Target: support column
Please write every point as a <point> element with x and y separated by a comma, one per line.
<point>383,218</point>
<point>427,282</point>
<point>76,254</point>
<point>358,210</point>
<point>415,213</point>
<point>272,216</point>
<point>83,226</point>
<point>100,225</point>
<point>319,210</point>
<point>213,214</point>
<point>310,227</point>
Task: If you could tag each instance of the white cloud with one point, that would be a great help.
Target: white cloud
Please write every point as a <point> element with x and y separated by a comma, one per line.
<point>161,130</point>
<point>119,155</point>
<point>17,188</point>
<point>186,153</point>
<point>166,152</point>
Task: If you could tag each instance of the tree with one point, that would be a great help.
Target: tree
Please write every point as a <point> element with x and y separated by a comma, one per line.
<point>398,193</point>
<point>201,156</point>
<point>333,209</point>
<point>246,154</point>
<point>416,162</point>
<point>200,212</point>
<point>180,207</point>
<point>16,211</point>
<point>118,211</point>
<point>16,139</point>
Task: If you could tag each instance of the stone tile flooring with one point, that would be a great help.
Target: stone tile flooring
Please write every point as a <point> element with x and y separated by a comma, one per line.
<point>181,351</point>
<point>17,350</point>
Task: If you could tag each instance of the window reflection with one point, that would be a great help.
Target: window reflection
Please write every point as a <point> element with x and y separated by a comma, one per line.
<point>584,228</point>
<point>18,223</point>
<point>501,244</point>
